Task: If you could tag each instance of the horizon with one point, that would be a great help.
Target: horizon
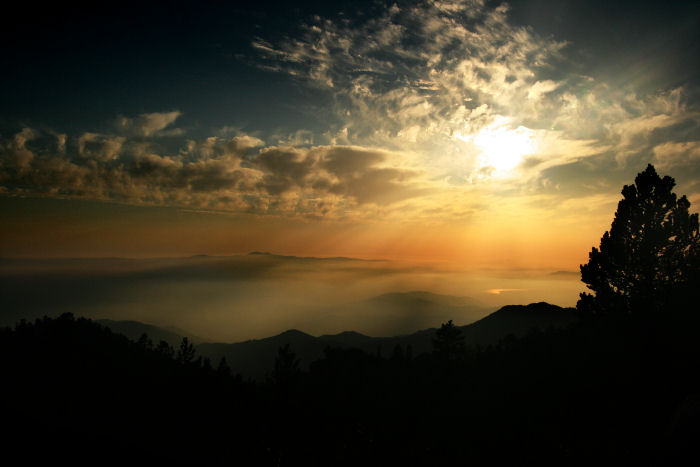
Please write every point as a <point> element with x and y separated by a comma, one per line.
<point>268,253</point>
<point>251,296</point>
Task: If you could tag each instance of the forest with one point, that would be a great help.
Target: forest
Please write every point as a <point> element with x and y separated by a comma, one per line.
<point>619,384</point>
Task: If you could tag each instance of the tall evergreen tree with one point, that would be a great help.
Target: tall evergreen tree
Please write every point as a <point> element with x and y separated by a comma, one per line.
<point>286,367</point>
<point>650,252</point>
<point>449,341</point>
<point>186,352</point>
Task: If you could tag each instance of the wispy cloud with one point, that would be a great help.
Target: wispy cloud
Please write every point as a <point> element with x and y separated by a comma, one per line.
<point>428,78</point>
<point>442,110</point>
<point>149,124</point>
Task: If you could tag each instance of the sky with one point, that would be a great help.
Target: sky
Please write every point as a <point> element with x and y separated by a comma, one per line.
<point>482,133</point>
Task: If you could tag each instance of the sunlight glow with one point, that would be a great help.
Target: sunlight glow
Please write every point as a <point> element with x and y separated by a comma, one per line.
<point>503,148</point>
<point>500,291</point>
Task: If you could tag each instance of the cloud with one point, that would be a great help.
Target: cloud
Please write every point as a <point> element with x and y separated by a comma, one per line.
<point>285,169</point>
<point>439,108</point>
<point>357,173</point>
<point>17,158</point>
<point>238,174</point>
<point>670,155</point>
<point>540,88</point>
<point>102,148</point>
<point>148,124</point>
<point>501,291</point>
<point>424,65</point>
<point>349,172</point>
<point>245,142</point>
<point>427,78</point>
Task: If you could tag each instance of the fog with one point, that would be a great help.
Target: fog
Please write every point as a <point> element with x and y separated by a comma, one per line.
<point>235,298</point>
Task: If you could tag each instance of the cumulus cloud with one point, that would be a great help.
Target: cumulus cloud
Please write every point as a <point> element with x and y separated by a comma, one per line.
<point>359,174</point>
<point>348,172</point>
<point>231,174</point>
<point>17,158</point>
<point>102,148</point>
<point>285,169</point>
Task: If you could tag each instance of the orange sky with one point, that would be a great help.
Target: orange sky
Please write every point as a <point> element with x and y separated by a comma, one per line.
<point>70,228</point>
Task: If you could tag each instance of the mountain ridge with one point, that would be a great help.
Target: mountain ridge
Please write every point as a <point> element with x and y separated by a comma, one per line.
<point>255,357</point>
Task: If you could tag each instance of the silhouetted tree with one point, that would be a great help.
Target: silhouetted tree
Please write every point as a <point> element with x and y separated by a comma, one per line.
<point>397,354</point>
<point>185,353</point>
<point>223,369</point>
<point>165,349</point>
<point>286,366</point>
<point>449,341</point>
<point>145,342</point>
<point>651,250</point>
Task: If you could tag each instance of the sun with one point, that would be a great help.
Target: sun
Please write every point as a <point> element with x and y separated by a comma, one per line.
<point>503,148</point>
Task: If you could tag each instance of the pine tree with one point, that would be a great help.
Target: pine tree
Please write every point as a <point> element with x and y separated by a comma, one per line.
<point>650,252</point>
<point>286,368</point>
<point>185,353</point>
<point>449,341</point>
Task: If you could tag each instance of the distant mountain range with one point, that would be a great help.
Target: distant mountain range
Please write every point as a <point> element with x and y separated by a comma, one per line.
<point>255,358</point>
<point>400,313</point>
<point>275,292</point>
<point>308,258</point>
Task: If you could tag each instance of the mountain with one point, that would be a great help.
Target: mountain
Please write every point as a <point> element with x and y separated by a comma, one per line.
<point>517,320</point>
<point>349,339</point>
<point>311,258</point>
<point>401,313</point>
<point>134,329</point>
<point>255,358</point>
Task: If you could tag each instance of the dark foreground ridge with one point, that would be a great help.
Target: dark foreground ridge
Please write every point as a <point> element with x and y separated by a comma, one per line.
<point>622,389</point>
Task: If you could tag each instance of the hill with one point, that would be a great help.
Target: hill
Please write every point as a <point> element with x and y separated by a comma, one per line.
<point>255,358</point>
<point>399,313</point>
<point>134,329</point>
<point>517,320</point>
